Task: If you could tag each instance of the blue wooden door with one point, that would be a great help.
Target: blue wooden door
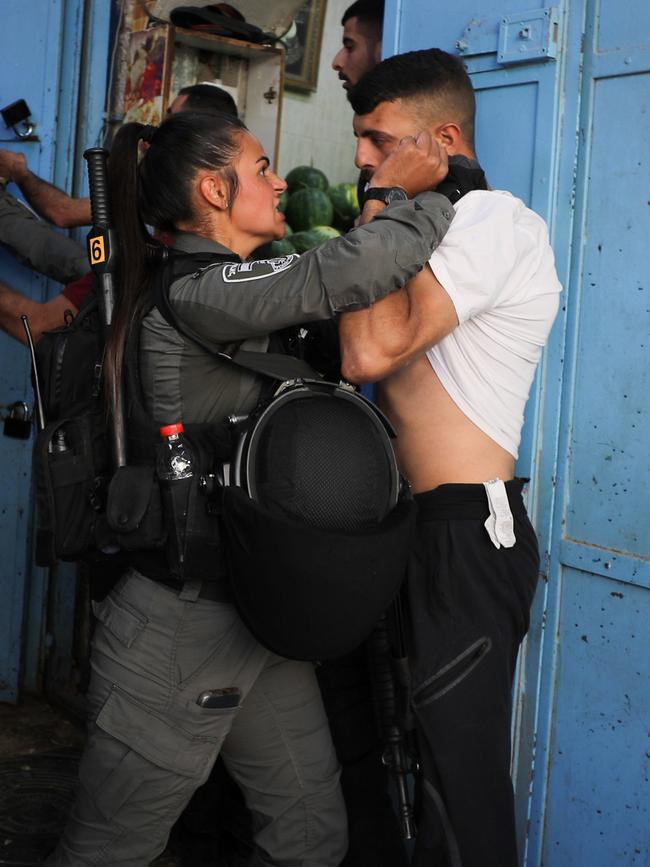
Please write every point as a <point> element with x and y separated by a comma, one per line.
<point>54,55</point>
<point>563,96</point>
<point>594,806</point>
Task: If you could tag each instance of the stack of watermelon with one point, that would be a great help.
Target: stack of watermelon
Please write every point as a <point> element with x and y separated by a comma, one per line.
<point>315,211</point>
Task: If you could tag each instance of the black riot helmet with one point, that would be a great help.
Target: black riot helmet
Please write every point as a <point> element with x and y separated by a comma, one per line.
<point>318,528</point>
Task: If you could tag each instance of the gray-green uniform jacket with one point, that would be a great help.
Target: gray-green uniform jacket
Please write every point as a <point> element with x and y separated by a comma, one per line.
<point>37,244</point>
<point>242,303</point>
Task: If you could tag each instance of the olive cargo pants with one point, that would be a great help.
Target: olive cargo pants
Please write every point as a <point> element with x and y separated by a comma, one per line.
<point>151,745</point>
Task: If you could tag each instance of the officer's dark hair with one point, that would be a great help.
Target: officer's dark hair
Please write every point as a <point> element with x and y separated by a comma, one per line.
<point>436,83</point>
<point>370,14</point>
<point>208,97</point>
<point>158,191</point>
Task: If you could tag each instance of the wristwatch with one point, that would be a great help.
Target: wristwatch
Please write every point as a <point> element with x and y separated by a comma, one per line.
<point>386,194</point>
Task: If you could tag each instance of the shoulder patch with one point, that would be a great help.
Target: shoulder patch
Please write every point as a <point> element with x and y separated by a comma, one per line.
<point>244,271</point>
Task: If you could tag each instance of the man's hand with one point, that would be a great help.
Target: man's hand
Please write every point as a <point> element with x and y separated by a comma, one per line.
<point>417,164</point>
<point>13,166</point>
<point>42,316</point>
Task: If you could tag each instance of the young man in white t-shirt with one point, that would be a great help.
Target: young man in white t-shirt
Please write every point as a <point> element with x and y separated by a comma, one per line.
<point>454,354</point>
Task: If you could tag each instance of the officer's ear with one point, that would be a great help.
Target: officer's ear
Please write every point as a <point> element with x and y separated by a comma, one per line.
<point>214,190</point>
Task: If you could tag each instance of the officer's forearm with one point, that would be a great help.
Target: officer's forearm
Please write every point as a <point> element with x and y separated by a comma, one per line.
<point>380,256</point>
<point>346,273</point>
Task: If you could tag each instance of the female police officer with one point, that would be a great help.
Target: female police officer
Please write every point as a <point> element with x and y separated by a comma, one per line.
<point>207,180</point>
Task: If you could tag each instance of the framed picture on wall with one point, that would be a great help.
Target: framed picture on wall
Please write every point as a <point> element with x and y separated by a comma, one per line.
<point>147,72</point>
<point>303,43</point>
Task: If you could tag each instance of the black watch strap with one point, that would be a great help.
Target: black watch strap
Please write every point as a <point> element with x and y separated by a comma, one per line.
<point>386,194</point>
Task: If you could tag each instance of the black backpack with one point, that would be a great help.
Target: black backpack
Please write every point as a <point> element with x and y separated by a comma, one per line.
<point>85,510</point>
<point>71,453</point>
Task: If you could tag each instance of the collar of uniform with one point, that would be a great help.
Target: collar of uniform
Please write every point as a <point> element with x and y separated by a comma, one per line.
<point>188,242</point>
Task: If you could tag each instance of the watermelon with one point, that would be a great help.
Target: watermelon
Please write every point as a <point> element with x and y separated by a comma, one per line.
<point>311,238</point>
<point>288,231</point>
<point>303,241</point>
<point>307,208</point>
<point>306,177</point>
<point>281,248</point>
<point>284,198</point>
<point>346,204</point>
<point>324,233</point>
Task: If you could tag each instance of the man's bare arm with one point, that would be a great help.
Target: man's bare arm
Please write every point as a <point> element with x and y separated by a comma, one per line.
<point>42,316</point>
<point>46,199</point>
<point>378,340</point>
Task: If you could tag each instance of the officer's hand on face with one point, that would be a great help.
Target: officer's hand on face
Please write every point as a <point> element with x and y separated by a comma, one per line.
<point>417,164</point>
<point>12,165</point>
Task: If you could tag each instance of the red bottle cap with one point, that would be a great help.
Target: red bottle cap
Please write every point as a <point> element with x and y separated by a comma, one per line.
<point>169,429</point>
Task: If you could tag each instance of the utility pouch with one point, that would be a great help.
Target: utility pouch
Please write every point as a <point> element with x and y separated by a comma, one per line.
<point>69,464</point>
<point>134,509</point>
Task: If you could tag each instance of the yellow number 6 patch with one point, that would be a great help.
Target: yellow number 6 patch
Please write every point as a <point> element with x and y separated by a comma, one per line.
<point>97,251</point>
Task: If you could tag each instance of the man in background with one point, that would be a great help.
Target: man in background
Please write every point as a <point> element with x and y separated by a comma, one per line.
<point>362,24</point>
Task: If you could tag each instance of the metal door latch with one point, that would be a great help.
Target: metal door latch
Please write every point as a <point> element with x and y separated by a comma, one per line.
<point>518,38</point>
<point>17,117</point>
<point>18,420</point>
<point>529,36</point>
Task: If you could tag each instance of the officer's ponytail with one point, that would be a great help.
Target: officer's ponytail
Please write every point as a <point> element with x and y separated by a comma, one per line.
<point>152,183</point>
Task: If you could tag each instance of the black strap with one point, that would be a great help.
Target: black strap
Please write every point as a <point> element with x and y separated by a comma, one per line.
<point>272,365</point>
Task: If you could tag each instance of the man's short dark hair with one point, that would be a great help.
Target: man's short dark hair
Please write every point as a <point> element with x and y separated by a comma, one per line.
<point>369,13</point>
<point>208,98</point>
<point>436,82</point>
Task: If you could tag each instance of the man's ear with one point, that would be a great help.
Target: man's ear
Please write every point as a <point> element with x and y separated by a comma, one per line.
<point>214,190</point>
<point>450,137</point>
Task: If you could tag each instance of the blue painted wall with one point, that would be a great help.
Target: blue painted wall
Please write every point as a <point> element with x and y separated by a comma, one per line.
<point>56,59</point>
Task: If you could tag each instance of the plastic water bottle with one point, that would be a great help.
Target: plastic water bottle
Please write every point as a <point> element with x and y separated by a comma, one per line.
<point>175,470</point>
<point>175,458</point>
<point>60,444</point>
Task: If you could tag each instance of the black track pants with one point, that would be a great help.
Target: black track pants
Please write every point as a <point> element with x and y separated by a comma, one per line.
<point>469,611</point>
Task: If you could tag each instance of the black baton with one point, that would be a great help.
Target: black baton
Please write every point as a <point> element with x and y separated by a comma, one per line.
<point>103,261</point>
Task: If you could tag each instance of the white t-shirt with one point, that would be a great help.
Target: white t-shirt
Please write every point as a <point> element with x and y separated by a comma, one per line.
<point>497,266</point>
